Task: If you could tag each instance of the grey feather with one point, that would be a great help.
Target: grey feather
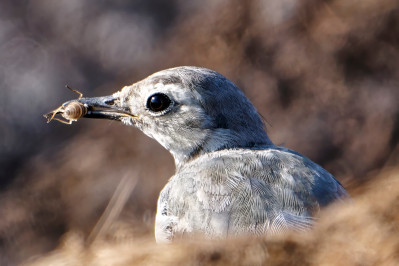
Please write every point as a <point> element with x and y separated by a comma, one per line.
<point>263,191</point>
<point>230,179</point>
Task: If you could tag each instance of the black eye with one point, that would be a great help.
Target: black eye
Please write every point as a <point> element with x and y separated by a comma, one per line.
<point>158,102</point>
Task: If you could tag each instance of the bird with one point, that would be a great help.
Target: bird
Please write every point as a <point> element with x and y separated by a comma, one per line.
<point>230,179</point>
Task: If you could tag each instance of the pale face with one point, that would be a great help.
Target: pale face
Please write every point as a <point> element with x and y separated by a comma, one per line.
<point>168,113</point>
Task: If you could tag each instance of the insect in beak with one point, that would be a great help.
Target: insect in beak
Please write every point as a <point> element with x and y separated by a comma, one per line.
<point>70,111</point>
<point>96,107</point>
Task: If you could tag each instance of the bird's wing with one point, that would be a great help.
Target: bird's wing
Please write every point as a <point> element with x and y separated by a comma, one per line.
<point>263,190</point>
<point>248,191</point>
<point>323,186</point>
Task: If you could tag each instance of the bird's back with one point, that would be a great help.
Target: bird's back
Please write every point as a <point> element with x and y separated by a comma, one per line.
<point>240,191</point>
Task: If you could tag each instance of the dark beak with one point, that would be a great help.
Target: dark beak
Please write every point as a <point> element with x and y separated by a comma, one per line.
<point>104,107</point>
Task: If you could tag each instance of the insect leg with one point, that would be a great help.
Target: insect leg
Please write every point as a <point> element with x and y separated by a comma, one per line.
<point>76,91</point>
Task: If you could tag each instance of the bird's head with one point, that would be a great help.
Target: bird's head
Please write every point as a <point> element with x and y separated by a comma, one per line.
<point>188,110</point>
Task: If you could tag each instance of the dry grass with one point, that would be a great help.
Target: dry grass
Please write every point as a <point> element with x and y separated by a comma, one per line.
<point>363,231</point>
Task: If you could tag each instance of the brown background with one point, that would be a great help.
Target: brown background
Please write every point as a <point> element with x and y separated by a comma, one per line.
<point>323,74</point>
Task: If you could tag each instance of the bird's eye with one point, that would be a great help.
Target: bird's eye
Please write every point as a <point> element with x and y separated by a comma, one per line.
<point>158,102</point>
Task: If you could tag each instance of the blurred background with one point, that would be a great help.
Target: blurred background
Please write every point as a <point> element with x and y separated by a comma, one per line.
<point>323,74</point>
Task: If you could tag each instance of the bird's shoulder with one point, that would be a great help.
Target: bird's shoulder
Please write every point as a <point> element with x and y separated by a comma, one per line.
<point>276,164</point>
<point>266,168</point>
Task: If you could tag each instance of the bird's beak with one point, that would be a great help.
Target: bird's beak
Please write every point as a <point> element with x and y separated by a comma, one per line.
<point>104,107</point>
<point>107,107</point>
